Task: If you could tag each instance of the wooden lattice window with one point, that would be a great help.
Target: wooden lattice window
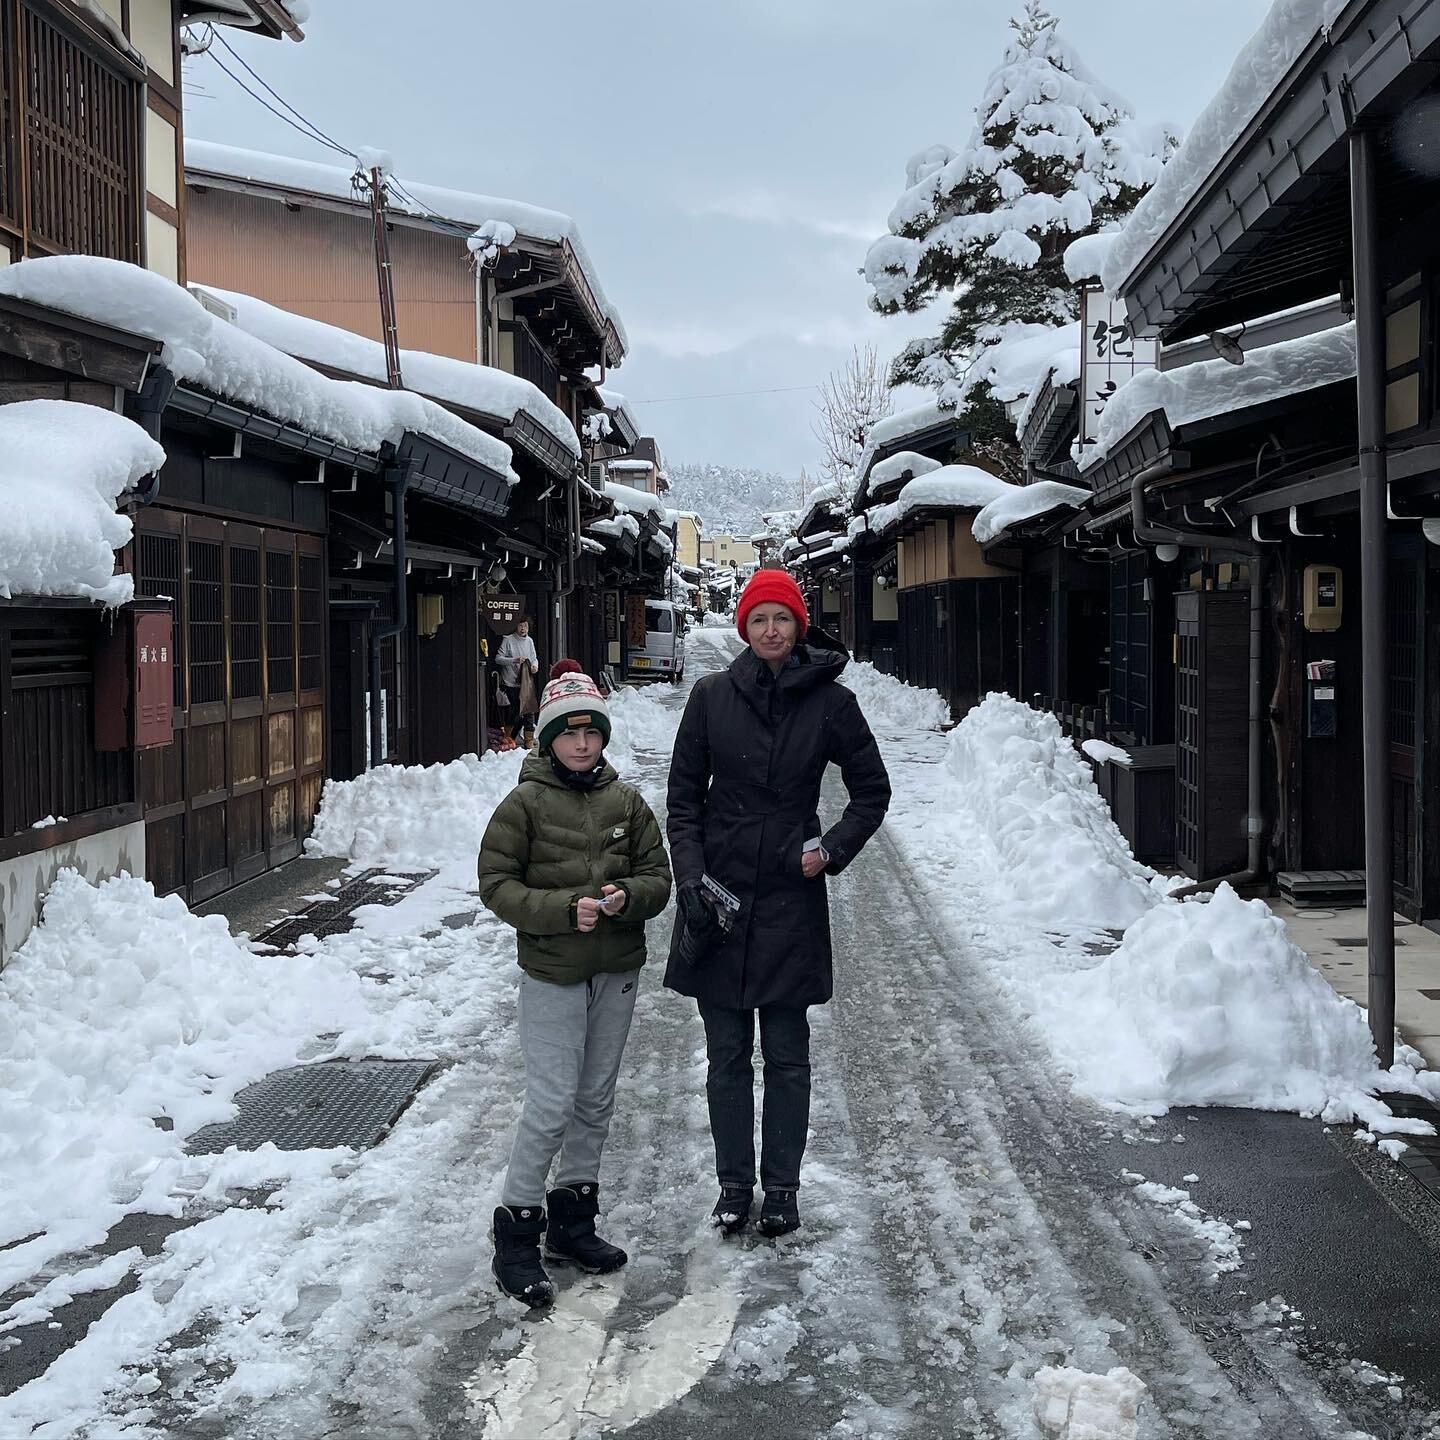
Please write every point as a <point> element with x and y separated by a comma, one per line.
<point>206,623</point>
<point>70,126</point>
<point>280,620</point>
<point>157,577</point>
<point>244,622</point>
<point>312,622</point>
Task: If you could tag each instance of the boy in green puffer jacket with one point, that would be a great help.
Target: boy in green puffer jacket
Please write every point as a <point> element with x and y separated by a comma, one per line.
<point>573,859</point>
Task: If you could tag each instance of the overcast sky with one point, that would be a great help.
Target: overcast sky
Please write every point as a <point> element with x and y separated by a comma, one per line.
<point>728,162</point>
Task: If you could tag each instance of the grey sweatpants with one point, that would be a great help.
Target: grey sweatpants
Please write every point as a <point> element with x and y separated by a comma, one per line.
<point>572,1038</point>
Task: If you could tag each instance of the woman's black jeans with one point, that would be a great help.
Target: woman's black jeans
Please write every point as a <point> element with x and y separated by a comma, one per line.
<point>730,1089</point>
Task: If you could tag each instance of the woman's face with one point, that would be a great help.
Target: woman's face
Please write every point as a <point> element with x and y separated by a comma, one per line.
<point>772,632</point>
<point>523,629</point>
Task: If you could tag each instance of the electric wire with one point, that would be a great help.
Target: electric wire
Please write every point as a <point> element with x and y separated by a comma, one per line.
<point>316,132</point>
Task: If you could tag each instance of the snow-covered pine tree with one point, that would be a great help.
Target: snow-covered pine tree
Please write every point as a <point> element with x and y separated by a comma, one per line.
<point>1054,155</point>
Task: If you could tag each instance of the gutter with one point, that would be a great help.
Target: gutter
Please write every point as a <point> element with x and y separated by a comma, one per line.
<point>150,405</point>
<point>1152,534</point>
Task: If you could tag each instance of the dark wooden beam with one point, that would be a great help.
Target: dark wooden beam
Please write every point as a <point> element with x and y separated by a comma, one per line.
<point>78,347</point>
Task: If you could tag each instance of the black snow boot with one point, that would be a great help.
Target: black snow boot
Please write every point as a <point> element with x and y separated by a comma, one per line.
<point>571,1238</point>
<point>732,1210</point>
<point>517,1230</point>
<point>780,1214</point>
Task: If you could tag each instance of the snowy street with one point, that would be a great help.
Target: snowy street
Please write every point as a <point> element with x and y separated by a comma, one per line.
<point>968,1220</point>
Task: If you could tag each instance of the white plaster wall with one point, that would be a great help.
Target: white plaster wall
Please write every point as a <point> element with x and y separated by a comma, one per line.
<point>25,882</point>
<point>151,33</point>
<point>162,247</point>
<point>161,159</point>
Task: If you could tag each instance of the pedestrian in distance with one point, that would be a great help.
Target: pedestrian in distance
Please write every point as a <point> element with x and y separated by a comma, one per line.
<point>752,935</point>
<point>518,665</point>
<point>574,860</point>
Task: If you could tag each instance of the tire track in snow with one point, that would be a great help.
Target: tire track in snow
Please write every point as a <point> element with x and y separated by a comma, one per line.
<point>1033,1253</point>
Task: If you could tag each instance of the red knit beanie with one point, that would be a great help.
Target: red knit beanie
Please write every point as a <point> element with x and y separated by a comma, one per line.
<point>772,587</point>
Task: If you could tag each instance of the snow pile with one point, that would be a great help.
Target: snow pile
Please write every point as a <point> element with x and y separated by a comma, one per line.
<point>619,407</point>
<point>1061,857</point>
<point>122,1008</point>
<point>1104,753</point>
<point>890,705</point>
<point>1210,1003</point>
<point>951,487</point>
<point>901,426</point>
<point>482,388</point>
<point>222,359</point>
<point>614,527</point>
<point>489,240</point>
<point>1084,258</point>
<point>62,467</point>
<point>635,502</point>
<point>1283,36</point>
<point>432,201</point>
<point>1024,502</point>
<point>1074,1405</point>
<point>1216,387</point>
<point>413,815</point>
<point>904,465</point>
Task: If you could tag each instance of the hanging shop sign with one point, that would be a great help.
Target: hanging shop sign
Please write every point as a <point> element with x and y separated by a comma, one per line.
<point>503,612</point>
<point>1110,354</point>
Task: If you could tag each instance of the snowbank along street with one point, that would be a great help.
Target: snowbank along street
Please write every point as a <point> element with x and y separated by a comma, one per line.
<point>992,1247</point>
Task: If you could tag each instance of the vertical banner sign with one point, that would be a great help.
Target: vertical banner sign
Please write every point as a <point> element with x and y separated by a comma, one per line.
<point>1109,355</point>
<point>612,616</point>
<point>635,620</point>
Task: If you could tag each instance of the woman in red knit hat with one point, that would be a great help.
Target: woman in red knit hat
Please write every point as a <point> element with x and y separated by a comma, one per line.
<point>753,935</point>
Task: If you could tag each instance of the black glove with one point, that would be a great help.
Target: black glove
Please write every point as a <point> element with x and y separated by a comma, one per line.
<point>700,931</point>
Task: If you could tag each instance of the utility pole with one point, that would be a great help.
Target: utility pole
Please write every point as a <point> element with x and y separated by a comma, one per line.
<point>390,330</point>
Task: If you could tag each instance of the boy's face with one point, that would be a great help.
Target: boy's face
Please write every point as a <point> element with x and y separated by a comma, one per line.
<point>579,747</point>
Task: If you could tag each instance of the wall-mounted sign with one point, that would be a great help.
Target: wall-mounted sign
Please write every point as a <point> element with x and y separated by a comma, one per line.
<point>503,612</point>
<point>1109,355</point>
<point>635,621</point>
<point>612,616</point>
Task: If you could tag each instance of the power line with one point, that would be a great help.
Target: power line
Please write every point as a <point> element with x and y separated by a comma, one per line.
<point>279,114</point>
<point>316,132</point>
<point>723,395</point>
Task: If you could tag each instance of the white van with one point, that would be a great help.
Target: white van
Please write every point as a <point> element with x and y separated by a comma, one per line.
<point>663,657</point>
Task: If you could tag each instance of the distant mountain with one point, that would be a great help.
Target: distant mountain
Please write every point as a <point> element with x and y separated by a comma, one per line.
<point>730,499</point>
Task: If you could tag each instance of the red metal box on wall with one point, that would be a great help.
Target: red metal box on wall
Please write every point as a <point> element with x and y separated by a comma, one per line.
<point>135,679</point>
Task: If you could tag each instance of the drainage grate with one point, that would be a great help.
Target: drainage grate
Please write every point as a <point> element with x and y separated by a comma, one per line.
<point>337,1102</point>
<point>336,916</point>
<point>1353,943</point>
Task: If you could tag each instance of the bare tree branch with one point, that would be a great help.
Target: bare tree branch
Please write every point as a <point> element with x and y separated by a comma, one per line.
<point>851,400</point>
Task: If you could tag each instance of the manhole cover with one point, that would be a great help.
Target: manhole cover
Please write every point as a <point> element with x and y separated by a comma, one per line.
<point>336,1102</point>
<point>336,915</point>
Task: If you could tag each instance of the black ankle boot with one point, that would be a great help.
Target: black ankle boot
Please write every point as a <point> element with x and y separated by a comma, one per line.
<point>517,1230</point>
<point>732,1210</point>
<point>571,1238</point>
<point>780,1214</point>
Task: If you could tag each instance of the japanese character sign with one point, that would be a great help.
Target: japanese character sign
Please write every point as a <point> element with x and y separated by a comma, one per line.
<point>1110,353</point>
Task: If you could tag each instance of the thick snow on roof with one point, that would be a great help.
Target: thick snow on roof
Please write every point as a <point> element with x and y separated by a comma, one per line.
<point>477,387</point>
<point>1024,502</point>
<point>615,402</point>
<point>820,498</point>
<point>636,502</point>
<point>622,524</point>
<point>1215,387</point>
<point>951,487</point>
<point>62,467</point>
<point>463,208</point>
<point>901,425</point>
<point>1266,59</point>
<point>904,464</point>
<point>632,467</point>
<point>226,361</point>
<point>1084,258</point>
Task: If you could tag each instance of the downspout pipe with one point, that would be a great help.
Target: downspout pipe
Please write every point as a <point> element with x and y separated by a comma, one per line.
<point>399,477</point>
<point>1152,534</point>
<point>150,405</point>
<point>1374,594</point>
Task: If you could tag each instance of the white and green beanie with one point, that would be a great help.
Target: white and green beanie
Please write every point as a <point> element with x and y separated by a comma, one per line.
<point>571,697</point>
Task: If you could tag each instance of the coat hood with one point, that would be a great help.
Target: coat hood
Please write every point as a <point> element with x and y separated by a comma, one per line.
<point>537,768</point>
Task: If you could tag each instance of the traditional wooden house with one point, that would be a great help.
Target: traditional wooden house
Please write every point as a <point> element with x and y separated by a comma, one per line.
<point>493,283</point>
<point>1309,177</point>
<point>817,555</point>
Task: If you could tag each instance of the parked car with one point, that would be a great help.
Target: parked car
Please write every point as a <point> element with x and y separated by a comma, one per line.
<point>663,657</point>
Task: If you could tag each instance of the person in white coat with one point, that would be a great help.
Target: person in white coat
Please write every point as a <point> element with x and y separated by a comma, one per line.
<point>515,656</point>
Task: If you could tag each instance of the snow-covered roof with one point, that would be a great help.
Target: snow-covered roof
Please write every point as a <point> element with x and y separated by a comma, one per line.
<point>433,201</point>
<point>618,405</point>
<point>951,487</point>
<point>1016,358</point>
<point>63,465</point>
<point>903,465</point>
<point>1019,503</point>
<point>633,467</point>
<point>477,387</point>
<point>621,524</point>
<point>636,502</point>
<point>822,497</point>
<point>203,350</point>
<point>1084,258</point>
<point>1283,36</point>
<point>593,547</point>
<point>1215,387</point>
<point>902,425</point>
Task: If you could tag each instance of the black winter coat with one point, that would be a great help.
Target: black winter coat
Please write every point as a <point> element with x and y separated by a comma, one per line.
<point>745,780</point>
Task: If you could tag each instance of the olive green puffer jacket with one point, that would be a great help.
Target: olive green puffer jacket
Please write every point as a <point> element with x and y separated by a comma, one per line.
<point>547,845</point>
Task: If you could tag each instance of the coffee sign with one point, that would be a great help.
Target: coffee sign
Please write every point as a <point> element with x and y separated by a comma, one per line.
<point>503,612</point>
